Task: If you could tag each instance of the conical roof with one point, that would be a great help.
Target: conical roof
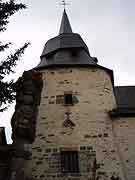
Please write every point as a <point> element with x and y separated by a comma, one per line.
<point>67,48</point>
<point>65,24</point>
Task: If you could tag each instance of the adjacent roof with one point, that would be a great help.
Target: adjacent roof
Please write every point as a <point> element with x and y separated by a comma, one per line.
<point>125,99</point>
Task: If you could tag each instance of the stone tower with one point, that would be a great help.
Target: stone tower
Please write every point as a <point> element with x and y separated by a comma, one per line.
<point>70,121</point>
<point>74,131</point>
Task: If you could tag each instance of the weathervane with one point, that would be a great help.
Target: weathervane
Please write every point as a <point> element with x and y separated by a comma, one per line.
<point>64,3</point>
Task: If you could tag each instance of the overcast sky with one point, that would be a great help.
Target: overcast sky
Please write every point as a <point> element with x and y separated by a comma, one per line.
<point>107,27</point>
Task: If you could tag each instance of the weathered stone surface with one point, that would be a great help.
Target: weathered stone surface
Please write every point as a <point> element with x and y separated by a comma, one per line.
<point>3,140</point>
<point>5,156</point>
<point>28,91</point>
<point>105,145</point>
<point>88,128</point>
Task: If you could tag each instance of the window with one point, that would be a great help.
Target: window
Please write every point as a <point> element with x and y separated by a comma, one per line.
<point>59,99</point>
<point>68,99</point>
<point>69,162</point>
<point>74,52</point>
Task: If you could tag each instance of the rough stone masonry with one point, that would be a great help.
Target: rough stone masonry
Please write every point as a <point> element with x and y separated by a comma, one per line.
<point>13,157</point>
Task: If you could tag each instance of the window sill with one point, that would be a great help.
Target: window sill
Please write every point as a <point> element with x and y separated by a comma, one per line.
<point>70,174</point>
<point>68,104</point>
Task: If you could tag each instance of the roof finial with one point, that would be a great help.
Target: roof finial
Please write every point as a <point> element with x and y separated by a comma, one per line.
<point>64,4</point>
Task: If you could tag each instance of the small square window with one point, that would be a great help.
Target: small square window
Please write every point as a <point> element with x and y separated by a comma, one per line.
<point>69,162</point>
<point>68,99</point>
<point>59,99</point>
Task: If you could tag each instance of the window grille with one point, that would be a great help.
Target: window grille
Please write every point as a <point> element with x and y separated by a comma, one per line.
<point>69,162</point>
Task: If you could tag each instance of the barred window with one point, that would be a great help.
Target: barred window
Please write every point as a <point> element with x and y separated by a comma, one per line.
<point>69,162</point>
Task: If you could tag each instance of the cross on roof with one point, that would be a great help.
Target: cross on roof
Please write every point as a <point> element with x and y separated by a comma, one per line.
<point>64,3</point>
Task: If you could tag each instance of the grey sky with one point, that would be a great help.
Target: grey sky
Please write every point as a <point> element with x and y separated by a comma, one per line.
<point>107,27</point>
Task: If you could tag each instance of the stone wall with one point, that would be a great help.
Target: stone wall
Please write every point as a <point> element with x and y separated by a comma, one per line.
<point>4,154</point>
<point>124,133</point>
<point>84,126</point>
<point>28,93</point>
<point>3,140</point>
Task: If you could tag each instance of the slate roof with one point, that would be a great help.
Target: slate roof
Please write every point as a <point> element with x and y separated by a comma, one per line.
<point>68,50</point>
<point>125,99</point>
<point>64,41</point>
<point>65,24</point>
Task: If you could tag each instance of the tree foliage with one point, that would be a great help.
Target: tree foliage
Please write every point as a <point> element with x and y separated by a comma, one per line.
<point>7,89</point>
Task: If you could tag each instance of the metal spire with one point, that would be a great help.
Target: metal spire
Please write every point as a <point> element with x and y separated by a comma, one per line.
<point>65,24</point>
<point>63,3</point>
